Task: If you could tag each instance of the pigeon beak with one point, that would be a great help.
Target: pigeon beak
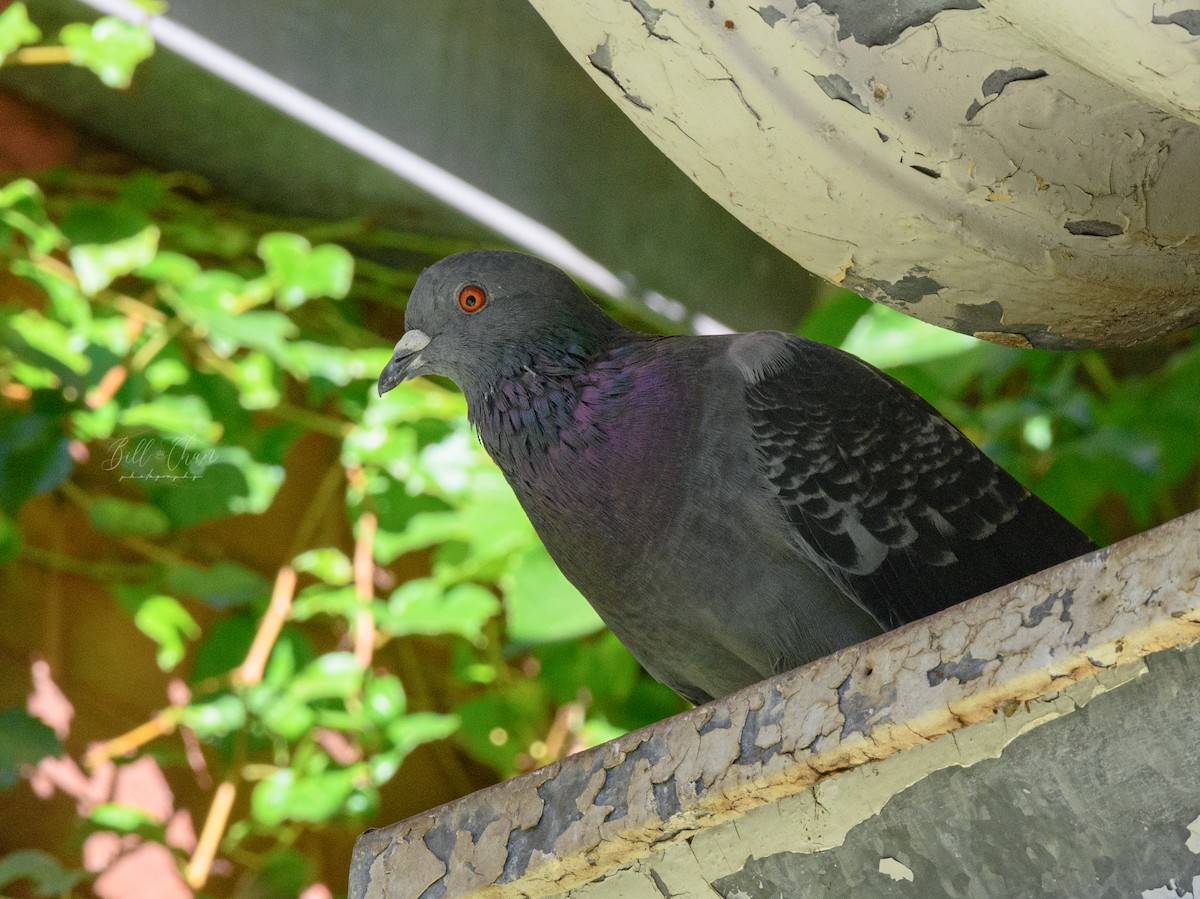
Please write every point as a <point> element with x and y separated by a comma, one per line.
<point>406,359</point>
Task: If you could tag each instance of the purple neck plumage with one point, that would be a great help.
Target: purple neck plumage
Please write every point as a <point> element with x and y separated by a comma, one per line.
<point>567,426</point>
<point>556,400</point>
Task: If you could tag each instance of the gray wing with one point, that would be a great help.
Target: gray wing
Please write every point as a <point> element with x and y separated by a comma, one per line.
<point>887,497</point>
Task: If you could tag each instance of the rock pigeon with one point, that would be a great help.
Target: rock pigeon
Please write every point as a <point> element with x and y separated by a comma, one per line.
<point>733,506</point>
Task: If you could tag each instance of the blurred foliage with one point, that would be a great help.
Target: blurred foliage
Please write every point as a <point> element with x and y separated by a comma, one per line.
<point>160,357</point>
<point>110,47</point>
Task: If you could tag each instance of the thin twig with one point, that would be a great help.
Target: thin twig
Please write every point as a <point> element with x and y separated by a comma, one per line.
<point>180,695</point>
<point>160,725</point>
<point>40,56</point>
<point>200,864</point>
<point>364,589</point>
<point>110,382</point>
<point>135,307</point>
<point>251,670</point>
<point>567,721</point>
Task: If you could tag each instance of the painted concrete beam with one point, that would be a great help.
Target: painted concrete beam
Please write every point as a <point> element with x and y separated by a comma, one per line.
<point>1021,170</point>
<point>934,757</point>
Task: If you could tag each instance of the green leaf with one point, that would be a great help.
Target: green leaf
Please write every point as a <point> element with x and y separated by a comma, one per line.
<point>110,47</point>
<point>10,539</point>
<point>421,606</point>
<point>111,515</point>
<point>280,874</point>
<point>328,563</point>
<point>186,425</point>
<point>171,268</point>
<point>34,377</point>
<point>540,604</point>
<point>307,359</point>
<point>125,819</point>
<point>383,698</point>
<point>47,876</point>
<point>218,304</point>
<point>488,524</point>
<point>33,457</point>
<point>161,618</point>
<point>225,644</point>
<point>410,731</point>
<point>23,209</point>
<point>223,585</point>
<point>145,191</point>
<point>67,304</point>
<point>830,320</point>
<point>98,264</point>
<point>291,795</point>
<point>288,718</point>
<point>16,30</point>
<point>255,377</point>
<point>887,338</point>
<point>92,221</point>
<point>164,373</point>
<point>167,623</point>
<point>215,717</point>
<point>222,481</point>
<point>396,508</point>
<point>321,599</point>
<point>51,339</point>
<point>300,272</point>
<point>334,675</point>
<point>24,740</point>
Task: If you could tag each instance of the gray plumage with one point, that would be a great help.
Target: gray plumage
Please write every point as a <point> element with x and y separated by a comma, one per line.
<point>732,506</point>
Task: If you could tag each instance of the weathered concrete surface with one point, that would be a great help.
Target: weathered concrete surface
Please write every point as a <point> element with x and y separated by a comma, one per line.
<point>1021,170</point>
<point>1016,738</point>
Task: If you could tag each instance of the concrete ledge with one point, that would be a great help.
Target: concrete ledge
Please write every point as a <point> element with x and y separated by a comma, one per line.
<point>733,798</point>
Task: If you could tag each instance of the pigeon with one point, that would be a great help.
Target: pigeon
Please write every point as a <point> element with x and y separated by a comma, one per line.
<point>733,506</point>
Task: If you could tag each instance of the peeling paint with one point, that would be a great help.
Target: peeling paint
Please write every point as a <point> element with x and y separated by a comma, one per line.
<point>995,83</point>
<point>1040,612</point>
<point>1193,840</point>
<point>838,88</point>
<point>1187,19</point>
<point>862,711</point>
<point>766,783</point>
<point>647,12</point>
<point>770,15</point>
<point>963,670</point>
<point>987,322</point>
<point>915,286</point>
<point>1008,198</point>
<point>895,870</point>
<point>601,60</point>
<point>1094,228</point>
<point>880,24</point>
<point>1173,890</point>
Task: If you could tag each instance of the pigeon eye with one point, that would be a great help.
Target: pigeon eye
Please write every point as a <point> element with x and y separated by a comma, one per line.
<point>471,298</point>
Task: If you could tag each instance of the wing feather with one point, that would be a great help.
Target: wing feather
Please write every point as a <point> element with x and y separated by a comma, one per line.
<point>888,498</point>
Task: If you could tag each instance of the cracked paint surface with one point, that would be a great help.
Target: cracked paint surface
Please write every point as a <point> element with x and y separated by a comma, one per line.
<point>1033,161</point>
<point>804,761</point>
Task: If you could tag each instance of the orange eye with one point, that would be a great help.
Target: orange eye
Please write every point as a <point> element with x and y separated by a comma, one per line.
<point>472,298</point>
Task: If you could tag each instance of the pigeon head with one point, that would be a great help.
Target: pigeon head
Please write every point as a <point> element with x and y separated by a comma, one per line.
<point>478,316</point>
